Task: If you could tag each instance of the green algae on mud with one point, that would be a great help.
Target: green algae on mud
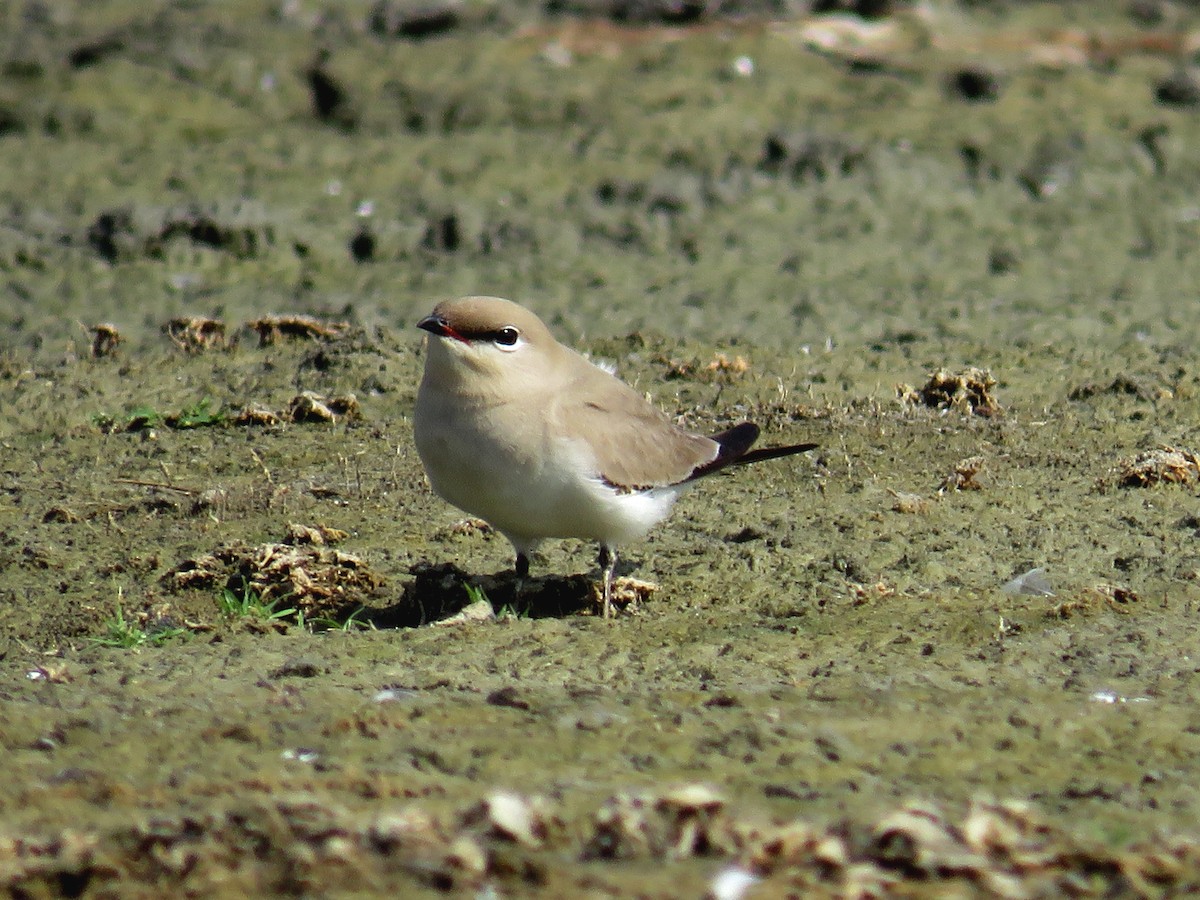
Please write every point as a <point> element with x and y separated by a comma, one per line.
<point>829,641</point>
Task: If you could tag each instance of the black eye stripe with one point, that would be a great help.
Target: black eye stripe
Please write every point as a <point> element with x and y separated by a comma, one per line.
<point>506,335</point>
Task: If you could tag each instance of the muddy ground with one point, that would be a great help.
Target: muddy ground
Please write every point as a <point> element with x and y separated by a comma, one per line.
<point>955,245</point>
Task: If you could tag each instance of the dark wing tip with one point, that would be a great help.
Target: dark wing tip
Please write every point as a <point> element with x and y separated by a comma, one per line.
<point>736,441</point>
<point>735,450</point>
<point>732,445</point>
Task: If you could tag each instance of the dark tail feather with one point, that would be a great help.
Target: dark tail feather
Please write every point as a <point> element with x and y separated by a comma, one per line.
<point>735,450</point>
<point>772,453</point>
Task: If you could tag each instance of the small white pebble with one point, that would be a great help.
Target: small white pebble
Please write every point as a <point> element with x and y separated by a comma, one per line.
<point>392,695</point>
<point>743,66</point>
<point>557,55</point>
<point>730,884</point>
<point>301,754</point>
<point>1114,697</point>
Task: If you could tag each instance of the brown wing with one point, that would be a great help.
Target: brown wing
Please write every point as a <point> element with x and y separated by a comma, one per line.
<point>635,444</point>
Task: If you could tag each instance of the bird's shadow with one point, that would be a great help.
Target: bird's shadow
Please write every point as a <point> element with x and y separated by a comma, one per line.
<point>439,591</point>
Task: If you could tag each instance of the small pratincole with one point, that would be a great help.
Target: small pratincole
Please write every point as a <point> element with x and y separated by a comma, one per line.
<point>527,434</point>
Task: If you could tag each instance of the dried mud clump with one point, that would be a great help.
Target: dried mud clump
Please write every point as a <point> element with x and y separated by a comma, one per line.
<point>462,528</point>
<point>1143,387</point>
<point>968,391</point>
<point>196,334</point>
<point>627,593</point>
<point>909,503</point>
<point>991,849</point>
<point>513,817</point>
<point>679,824</point>
<point>720,368</point>
<point>1162,464</point>
<point>273,329</point>
<point>965,476</point>
<point>312,407</point>
<point>105,340</point>
<point>420,845</point>
<point>304,570</point>
<point>33,865</point>
<point>300,839</point>
<point>994,849</point>
<point>1099,596</point>
<point>255,415</point>
<point>317,535</point>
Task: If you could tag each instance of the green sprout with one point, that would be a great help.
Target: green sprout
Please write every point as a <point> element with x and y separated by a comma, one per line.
<point>197,415</point>
<point>475,594</point>
<point>250,604</point>
<point>122,634</point>
<point>352,622</point>
<point>142,418</point>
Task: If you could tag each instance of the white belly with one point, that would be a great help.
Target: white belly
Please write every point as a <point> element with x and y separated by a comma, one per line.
<point>531,488</point>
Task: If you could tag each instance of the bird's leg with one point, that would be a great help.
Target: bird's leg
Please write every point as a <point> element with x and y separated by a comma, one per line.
<point>608,563</point>
<point>521,567</point>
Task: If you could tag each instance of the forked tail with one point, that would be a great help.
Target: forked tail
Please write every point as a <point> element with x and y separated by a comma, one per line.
<point>735,450</point>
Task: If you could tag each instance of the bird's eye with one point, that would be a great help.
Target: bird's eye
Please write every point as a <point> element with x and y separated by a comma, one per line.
<point>507,336</point>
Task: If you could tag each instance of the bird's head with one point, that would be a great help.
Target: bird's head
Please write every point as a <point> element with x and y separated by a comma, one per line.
<point>485,338</point>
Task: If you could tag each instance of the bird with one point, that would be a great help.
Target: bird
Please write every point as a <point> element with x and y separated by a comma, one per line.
<point>529,435</point>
